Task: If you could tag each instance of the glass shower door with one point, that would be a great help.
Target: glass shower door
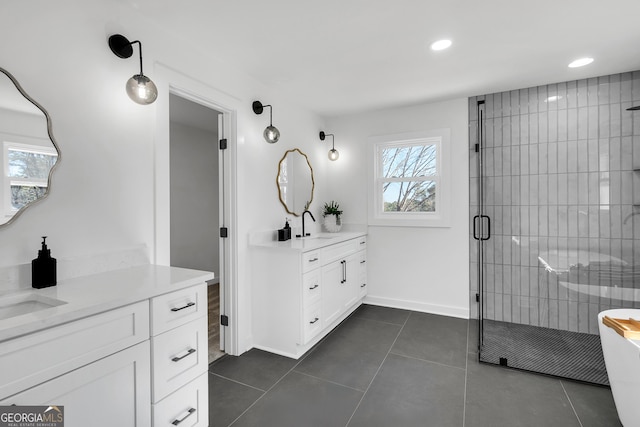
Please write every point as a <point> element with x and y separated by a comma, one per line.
<point>481,223</point>
<point>554,221</point>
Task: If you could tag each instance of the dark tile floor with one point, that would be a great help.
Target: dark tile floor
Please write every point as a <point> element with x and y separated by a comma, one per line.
<point>389,367</point>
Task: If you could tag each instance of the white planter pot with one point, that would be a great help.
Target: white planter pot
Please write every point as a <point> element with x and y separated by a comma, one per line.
<point>332,223</point>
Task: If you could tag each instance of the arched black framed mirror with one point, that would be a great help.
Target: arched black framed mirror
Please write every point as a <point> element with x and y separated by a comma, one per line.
<point>28,151</point>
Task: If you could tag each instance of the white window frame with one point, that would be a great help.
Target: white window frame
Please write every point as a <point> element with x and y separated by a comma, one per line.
<point>33,147</point>
<point>441,217</point>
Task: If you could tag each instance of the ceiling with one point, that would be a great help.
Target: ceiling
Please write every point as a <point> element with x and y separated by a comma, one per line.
<point>342,56</point>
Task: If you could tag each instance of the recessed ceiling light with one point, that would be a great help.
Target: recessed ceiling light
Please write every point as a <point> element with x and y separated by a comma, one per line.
<point>581,62</point>
<point>440,44</point>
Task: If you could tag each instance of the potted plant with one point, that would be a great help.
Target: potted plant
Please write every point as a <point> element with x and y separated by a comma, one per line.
<point>331,214</point>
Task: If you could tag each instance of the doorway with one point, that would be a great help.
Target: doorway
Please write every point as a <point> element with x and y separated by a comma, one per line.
<point>195,200</point>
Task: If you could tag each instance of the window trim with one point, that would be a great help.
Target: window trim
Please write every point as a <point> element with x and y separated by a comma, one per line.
<point>441,217</point>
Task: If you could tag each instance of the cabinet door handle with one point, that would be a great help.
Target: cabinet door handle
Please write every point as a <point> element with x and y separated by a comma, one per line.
<point>190,351</point>
<point>314,259</point>
<point>363,285</point>
<point>362,262</point>
<point>189,412</point>
<point>363,242</point>
<point>344,271</point>
<point>313,287</point>
<point>314,320</point>
<point>191,304</point>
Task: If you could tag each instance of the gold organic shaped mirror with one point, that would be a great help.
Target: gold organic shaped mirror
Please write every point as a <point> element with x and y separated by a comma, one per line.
<point>28,149</point>
<point>295,181</point>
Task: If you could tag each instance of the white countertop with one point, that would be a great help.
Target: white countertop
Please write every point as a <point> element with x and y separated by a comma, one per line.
<point>315,241</point>
<point>89,295</point>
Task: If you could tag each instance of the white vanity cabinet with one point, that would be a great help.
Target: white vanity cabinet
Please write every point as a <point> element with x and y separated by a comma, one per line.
<point>86,366</point>
<point>361,270</point>
<point>340,283</point>
<point>311,316</point>
<point>179,354</point>
<point>109,392</point>
<point>302,293</point>
<point>140,361</point>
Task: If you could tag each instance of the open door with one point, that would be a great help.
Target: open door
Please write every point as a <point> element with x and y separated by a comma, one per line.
<point>197,202</point>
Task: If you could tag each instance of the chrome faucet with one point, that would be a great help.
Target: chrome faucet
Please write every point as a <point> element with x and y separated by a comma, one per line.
<point>314,220</point>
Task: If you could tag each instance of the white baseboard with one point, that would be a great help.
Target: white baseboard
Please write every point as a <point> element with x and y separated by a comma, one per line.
<point>460,312</point>
<point>272,350</point>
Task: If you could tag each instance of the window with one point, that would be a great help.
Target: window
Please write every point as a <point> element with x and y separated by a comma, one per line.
<point>26,173</point>
<point>408,184</point>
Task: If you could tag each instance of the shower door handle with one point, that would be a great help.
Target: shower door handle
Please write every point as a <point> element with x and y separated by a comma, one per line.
<point>474,227</point>
<point>488,227</point>
<point>475,231</point>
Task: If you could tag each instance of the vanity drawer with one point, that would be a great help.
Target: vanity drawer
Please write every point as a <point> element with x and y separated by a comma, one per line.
<point>310,260</point>
<point>340,250</point>
<point>187,407</point>
<point>311,289</point>
<point>178,356</point>
<point>177,308</point>
<point>362,274</point>
<point>38,357</point>
<point>311,322</point>
<point>362,243</point>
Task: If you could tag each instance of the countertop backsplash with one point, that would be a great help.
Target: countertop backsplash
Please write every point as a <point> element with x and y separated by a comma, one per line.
<point>16,277</point>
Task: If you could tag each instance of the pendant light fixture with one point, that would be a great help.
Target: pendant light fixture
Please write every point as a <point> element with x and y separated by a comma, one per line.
<point>333,153</point>
<point>140,88</point>
<point>271,133</point>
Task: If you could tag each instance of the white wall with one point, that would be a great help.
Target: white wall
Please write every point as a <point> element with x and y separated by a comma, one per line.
<point>194,197</point>
<point>108,148</point>
<point>58,52</point>
<point>424,269</point>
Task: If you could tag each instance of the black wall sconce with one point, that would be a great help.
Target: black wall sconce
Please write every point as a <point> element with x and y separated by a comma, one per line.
<point>333,153</point>
<point>140,88</point>
<point>271,133</point>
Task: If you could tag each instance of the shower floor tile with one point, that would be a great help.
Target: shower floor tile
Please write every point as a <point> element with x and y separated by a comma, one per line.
<point>566,354</point>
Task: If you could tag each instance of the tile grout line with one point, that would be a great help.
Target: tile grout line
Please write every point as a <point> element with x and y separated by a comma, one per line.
<point>429,361</point>
<point>313,349</point>
<point>377,371</point>
<point>328,381</point>
<point>570,402</point>
<point>378,321</point>
<point>235,381</point>
<point>263,395</point>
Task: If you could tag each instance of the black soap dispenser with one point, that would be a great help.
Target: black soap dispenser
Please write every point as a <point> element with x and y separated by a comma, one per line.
<point>284,233</point>
<point>287,229</point>
<point>43,268</point>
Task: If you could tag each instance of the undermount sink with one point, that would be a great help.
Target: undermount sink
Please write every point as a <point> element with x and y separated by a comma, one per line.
<point>25,303</point>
